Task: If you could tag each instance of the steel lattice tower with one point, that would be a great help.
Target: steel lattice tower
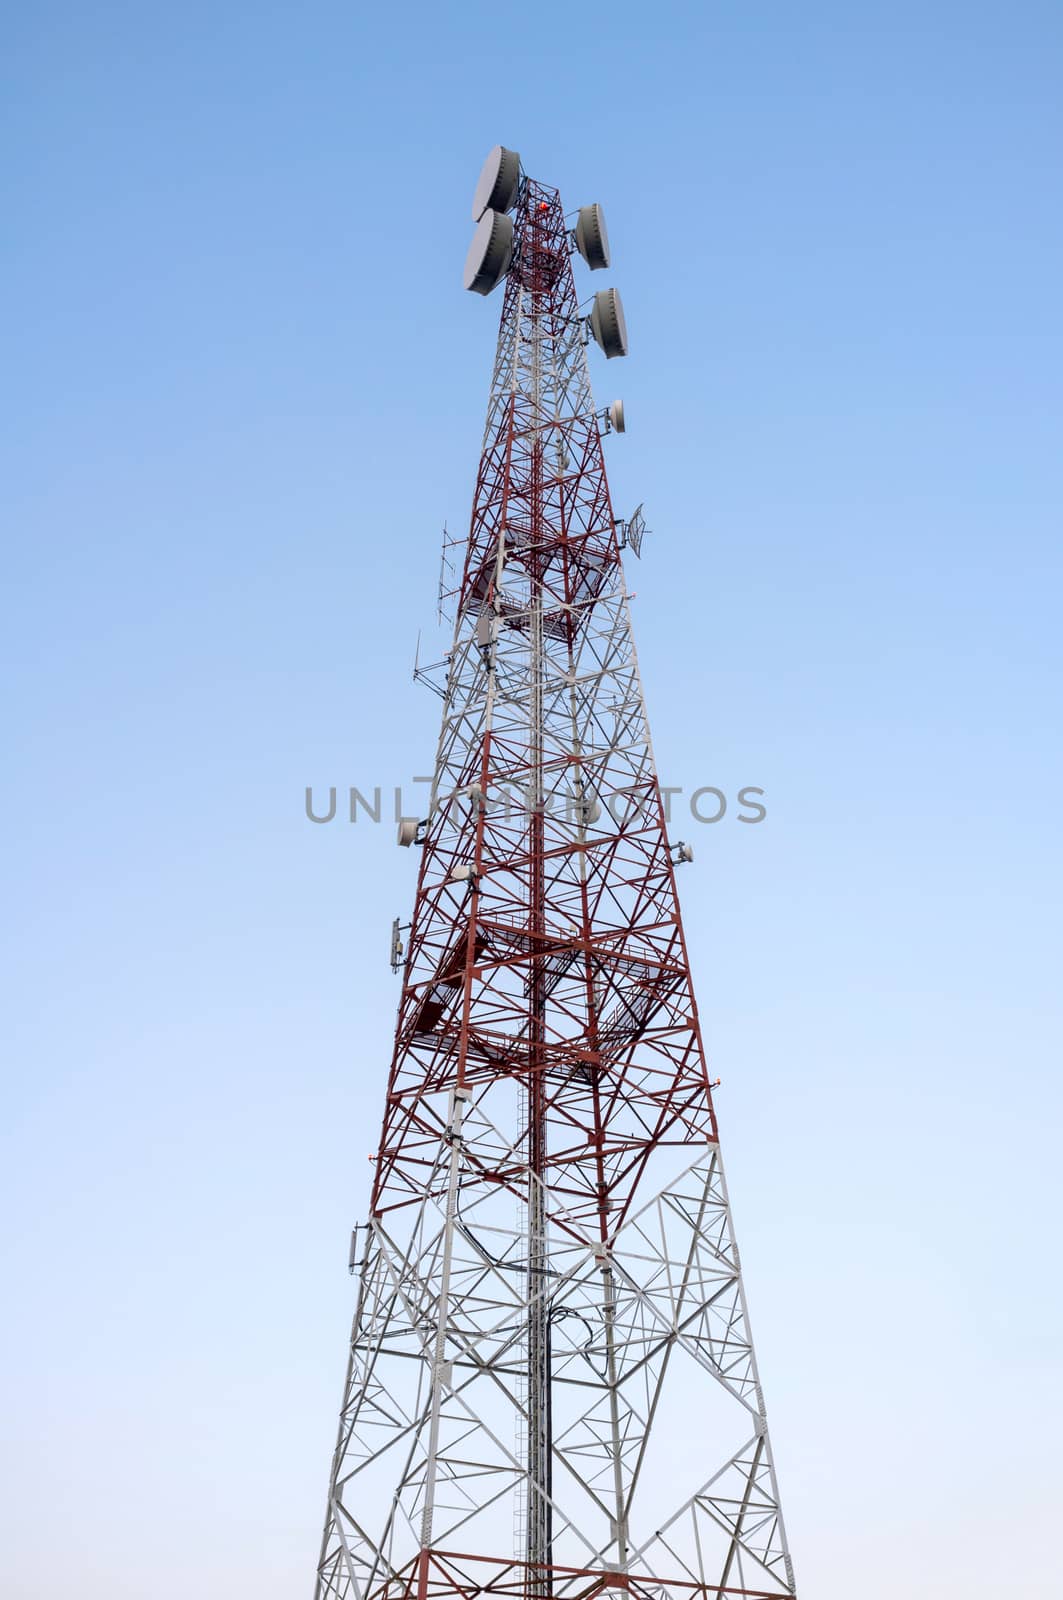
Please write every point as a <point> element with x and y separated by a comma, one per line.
<point>552,1389</point>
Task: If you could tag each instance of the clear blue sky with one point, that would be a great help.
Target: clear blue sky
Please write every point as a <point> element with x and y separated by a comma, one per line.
<point>242,389</point>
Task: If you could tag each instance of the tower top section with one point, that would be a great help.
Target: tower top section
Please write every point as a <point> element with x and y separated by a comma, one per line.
<point>516,236</point>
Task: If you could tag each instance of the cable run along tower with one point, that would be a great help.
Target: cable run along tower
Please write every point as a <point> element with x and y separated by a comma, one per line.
<point>552,1389</point>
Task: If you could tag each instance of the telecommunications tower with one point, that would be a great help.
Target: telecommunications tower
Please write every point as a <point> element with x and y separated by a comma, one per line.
<point>551,1391</point>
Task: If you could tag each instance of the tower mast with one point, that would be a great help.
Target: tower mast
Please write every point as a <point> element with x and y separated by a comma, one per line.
<point>552,1388</point>
<point>539,1542</point>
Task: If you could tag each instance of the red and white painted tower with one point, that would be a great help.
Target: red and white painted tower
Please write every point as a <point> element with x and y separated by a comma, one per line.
<point>552,1389</point>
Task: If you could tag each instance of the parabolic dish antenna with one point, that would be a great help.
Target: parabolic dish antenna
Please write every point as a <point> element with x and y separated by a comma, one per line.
<point>497,184</point>
<point>592,241</point>
<point>636,530</point>
<point>490,252</point>
<point>616,416</point>
<point>607,323</point>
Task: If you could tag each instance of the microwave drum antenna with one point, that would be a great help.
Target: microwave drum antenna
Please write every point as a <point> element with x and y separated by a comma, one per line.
<point>490,252</point>
<point>496,187</point>
<point>607,323</point>
<point>592,241</point>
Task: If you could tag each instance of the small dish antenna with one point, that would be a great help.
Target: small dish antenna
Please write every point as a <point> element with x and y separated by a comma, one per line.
<point>592,241</point>
<point>490,253</point>
<point>636,530</point>
<point>607,323</point>
<point>409,827</point>
<point>496,187</point>
<point>616,416</point>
